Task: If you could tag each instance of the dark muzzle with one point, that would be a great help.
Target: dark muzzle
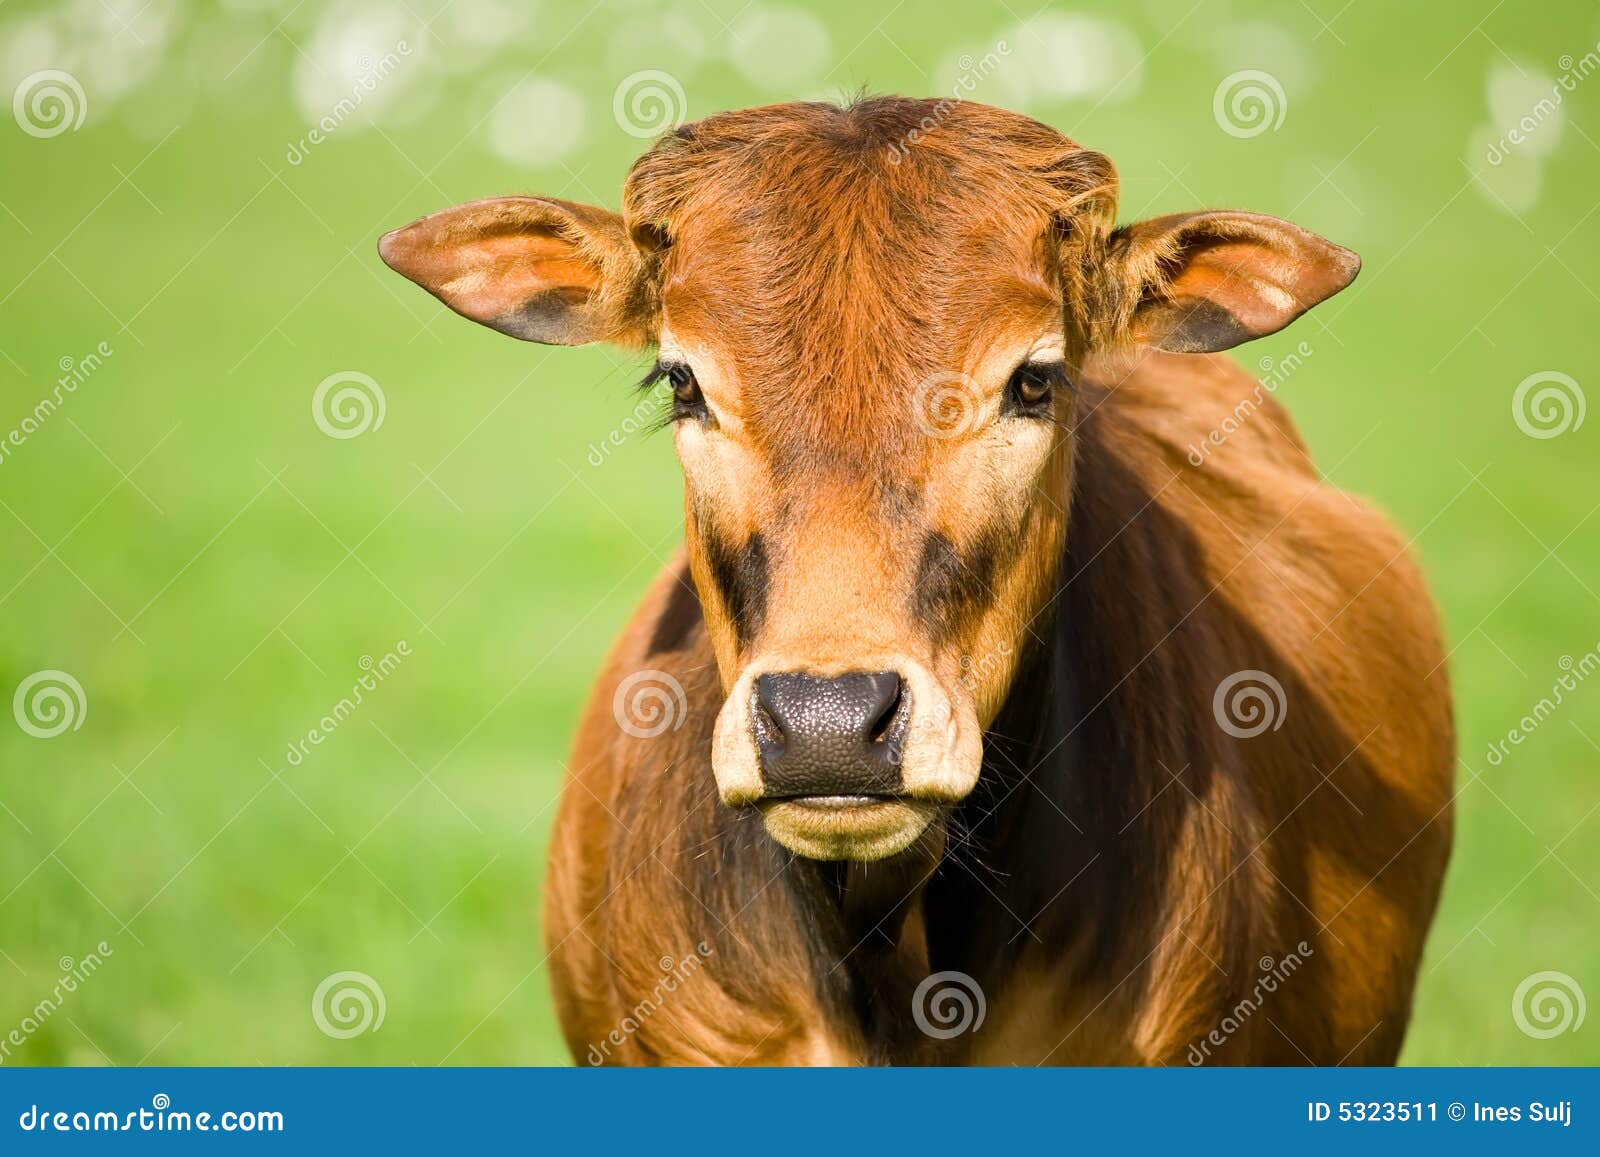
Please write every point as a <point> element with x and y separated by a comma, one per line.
<point>839,736</point>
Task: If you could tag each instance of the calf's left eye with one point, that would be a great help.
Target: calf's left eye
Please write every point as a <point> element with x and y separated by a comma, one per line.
<point>1032,388</point>
<point>687,400</point>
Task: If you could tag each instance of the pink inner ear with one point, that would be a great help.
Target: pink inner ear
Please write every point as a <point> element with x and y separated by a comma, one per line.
<point>1262,289</point>
<point>499,275</point>
<point>490,273</point>
<point>537,268</point>
<point>1230,277</point>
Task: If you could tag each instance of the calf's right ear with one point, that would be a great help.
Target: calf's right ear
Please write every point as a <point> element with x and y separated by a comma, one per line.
<point>1208,281</point>
<point>536,268</point>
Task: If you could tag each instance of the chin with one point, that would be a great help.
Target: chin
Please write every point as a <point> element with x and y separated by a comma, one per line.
<point>840,827</point>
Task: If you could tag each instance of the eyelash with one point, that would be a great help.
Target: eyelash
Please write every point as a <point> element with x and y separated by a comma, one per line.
<point>687,400</point>
<point>1031,389</point>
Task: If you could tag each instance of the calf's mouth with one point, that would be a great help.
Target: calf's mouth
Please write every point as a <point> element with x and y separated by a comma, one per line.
<point>847,827</point>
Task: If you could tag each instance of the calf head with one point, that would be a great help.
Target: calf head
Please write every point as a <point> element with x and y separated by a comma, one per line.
<point>873,320</point>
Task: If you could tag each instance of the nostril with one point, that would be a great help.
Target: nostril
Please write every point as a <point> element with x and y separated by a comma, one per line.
<point>764,717</point>
<point>883,728</point>
<point>766,700</point>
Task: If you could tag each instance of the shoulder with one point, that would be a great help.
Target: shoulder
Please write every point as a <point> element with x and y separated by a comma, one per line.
<point>1203,410</point>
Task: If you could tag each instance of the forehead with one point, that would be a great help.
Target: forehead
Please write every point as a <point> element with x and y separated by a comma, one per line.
<point>856,248</point>
<point>807,232</point>
<point>828,318</point>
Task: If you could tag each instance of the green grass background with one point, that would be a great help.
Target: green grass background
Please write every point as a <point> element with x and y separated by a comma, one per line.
<point>183,539</point>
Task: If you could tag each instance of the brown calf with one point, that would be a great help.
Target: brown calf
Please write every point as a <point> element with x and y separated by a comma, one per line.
<point>1022,694</point>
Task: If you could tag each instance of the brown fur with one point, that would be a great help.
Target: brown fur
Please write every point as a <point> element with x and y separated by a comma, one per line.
<point>1126,872</point>
<point>1142,938</point>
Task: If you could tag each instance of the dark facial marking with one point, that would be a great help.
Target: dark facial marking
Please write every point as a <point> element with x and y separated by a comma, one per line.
<point>950,584</point>
<point>680,618</point>
<point>742,576</point>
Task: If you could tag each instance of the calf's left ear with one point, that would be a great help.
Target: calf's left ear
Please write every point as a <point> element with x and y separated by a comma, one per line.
<point>1208,281</point>
<point>536,268</point>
